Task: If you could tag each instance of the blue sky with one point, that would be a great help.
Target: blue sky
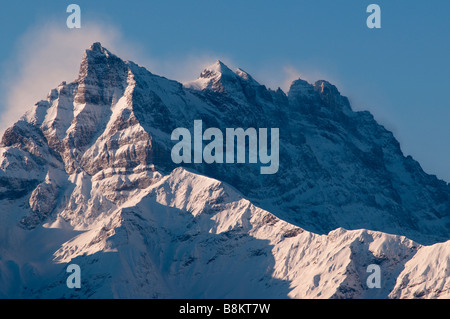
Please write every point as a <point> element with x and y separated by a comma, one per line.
<point>399,72</point>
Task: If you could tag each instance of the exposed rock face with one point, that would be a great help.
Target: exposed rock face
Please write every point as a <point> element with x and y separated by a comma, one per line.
<point>95,158</point>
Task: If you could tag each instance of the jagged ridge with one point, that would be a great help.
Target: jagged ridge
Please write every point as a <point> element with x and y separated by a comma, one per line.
<point>79,161</point>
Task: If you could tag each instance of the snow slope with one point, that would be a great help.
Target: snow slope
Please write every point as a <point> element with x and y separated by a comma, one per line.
<point>192,236</point>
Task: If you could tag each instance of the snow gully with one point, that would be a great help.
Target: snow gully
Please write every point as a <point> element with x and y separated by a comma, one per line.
<point>214,151</point>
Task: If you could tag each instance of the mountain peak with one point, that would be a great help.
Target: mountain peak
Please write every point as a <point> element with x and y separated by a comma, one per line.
<point>331,96</point>
<point>97,54</point>
<point>218,69</point>
<point>220,78</point>
<point>220,64</point>
<point>100,69</point>
<point>323,86</point>
<point>96,46</point>
<point>212,77</point>
<point>96,50</point>
<point>301,87</point>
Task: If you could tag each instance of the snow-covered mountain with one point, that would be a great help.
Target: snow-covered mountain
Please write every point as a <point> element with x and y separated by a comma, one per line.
<point>86,177</point>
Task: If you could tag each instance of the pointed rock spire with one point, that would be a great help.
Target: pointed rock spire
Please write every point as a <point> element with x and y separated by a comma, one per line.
<point>220,78</point>
<point>97,60</point>
<point>331,96</point>
<point>100,69</point>
<point>218,69</point>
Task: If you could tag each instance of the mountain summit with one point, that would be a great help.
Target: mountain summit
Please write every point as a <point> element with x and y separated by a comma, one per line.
<point>86,177</point>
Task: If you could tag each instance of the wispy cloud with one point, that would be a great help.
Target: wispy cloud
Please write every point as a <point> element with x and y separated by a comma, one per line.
<point>46,56</point>
<point>291,74</point>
